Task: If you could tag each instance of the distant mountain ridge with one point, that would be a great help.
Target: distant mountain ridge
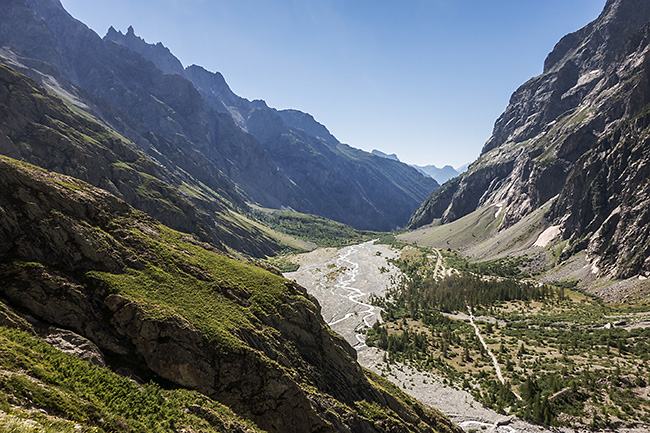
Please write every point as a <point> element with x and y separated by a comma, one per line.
<point>158,53</point>
<point>155,304</point>
<point>39,128</point>
<point>574,134</point>
<point>189,120</point>
<point>441,175</point>
<point>113,321</point>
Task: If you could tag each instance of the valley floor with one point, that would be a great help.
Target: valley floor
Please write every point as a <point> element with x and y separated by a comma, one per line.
<point>344,282</point>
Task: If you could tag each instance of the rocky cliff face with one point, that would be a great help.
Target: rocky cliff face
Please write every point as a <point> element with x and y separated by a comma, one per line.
<point>350,185</point>
<point>593,83</point>
<point>605,204</point>
<point>158,54</point>
<point>167,306</point>
<point>190,120</point>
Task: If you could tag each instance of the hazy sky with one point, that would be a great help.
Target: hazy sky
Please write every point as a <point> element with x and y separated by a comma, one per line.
<point>425,79</point>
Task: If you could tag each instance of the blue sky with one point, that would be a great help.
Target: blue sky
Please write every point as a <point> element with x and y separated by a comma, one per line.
<point>425,79</point>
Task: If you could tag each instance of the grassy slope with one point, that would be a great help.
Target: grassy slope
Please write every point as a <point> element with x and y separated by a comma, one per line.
<point>43,389</point>
<point>177,290</point>
<point>478,234</point>
<point>478,237</point>
<point>471,229</point>
<point>312,229</point>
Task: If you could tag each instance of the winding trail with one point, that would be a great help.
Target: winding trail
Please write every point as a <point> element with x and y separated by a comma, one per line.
<point>439,269</point>
<point>497,368</point>
<point>342,280</point>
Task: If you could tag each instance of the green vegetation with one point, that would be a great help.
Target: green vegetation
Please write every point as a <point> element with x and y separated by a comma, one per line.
<point>420,296</point>
<point>556,347</point>
<point>184,278</point>
<point>46,129</point>
<point>421,292</point>
<point>231,314</point>
<point>62,392</point>
<point>390,239</point>
<point>470,229</point>
<point>283,264</point>
<point>508,267</point>
<point>318,230</point>
<point>431,416</point>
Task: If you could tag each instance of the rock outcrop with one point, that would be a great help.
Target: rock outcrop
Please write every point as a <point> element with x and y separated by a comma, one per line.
<point>561,129</point>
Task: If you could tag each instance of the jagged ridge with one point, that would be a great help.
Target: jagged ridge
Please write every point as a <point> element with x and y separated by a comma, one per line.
<point>39,128</point>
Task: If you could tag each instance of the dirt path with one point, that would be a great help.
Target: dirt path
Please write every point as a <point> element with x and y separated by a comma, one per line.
<point>342,281</point>
<point>439,268</point>
<point>497,368</point>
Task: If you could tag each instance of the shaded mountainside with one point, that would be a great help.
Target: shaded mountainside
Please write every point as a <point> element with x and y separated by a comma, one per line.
<point>38,128</point>
<point>337,181</point>
<point>190,121</point>
<point>172,309</point>
<point>576,131</point>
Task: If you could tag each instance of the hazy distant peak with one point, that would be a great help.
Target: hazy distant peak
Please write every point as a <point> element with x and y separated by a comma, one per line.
<point>384,155</point>
<point>441,175</point>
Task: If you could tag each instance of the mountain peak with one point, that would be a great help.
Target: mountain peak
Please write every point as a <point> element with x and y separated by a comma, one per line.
<point>385,155</point>
<point>158,54</point>
<point>566,139</point>
<point>441,175</point>
<point>306,122</point>
<point>594,46</point>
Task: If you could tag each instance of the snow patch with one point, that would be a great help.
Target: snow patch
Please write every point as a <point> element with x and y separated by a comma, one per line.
<point>589,76</point>
<point>547,236</point>
<point>499,209</point>
<point>594,267</point>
